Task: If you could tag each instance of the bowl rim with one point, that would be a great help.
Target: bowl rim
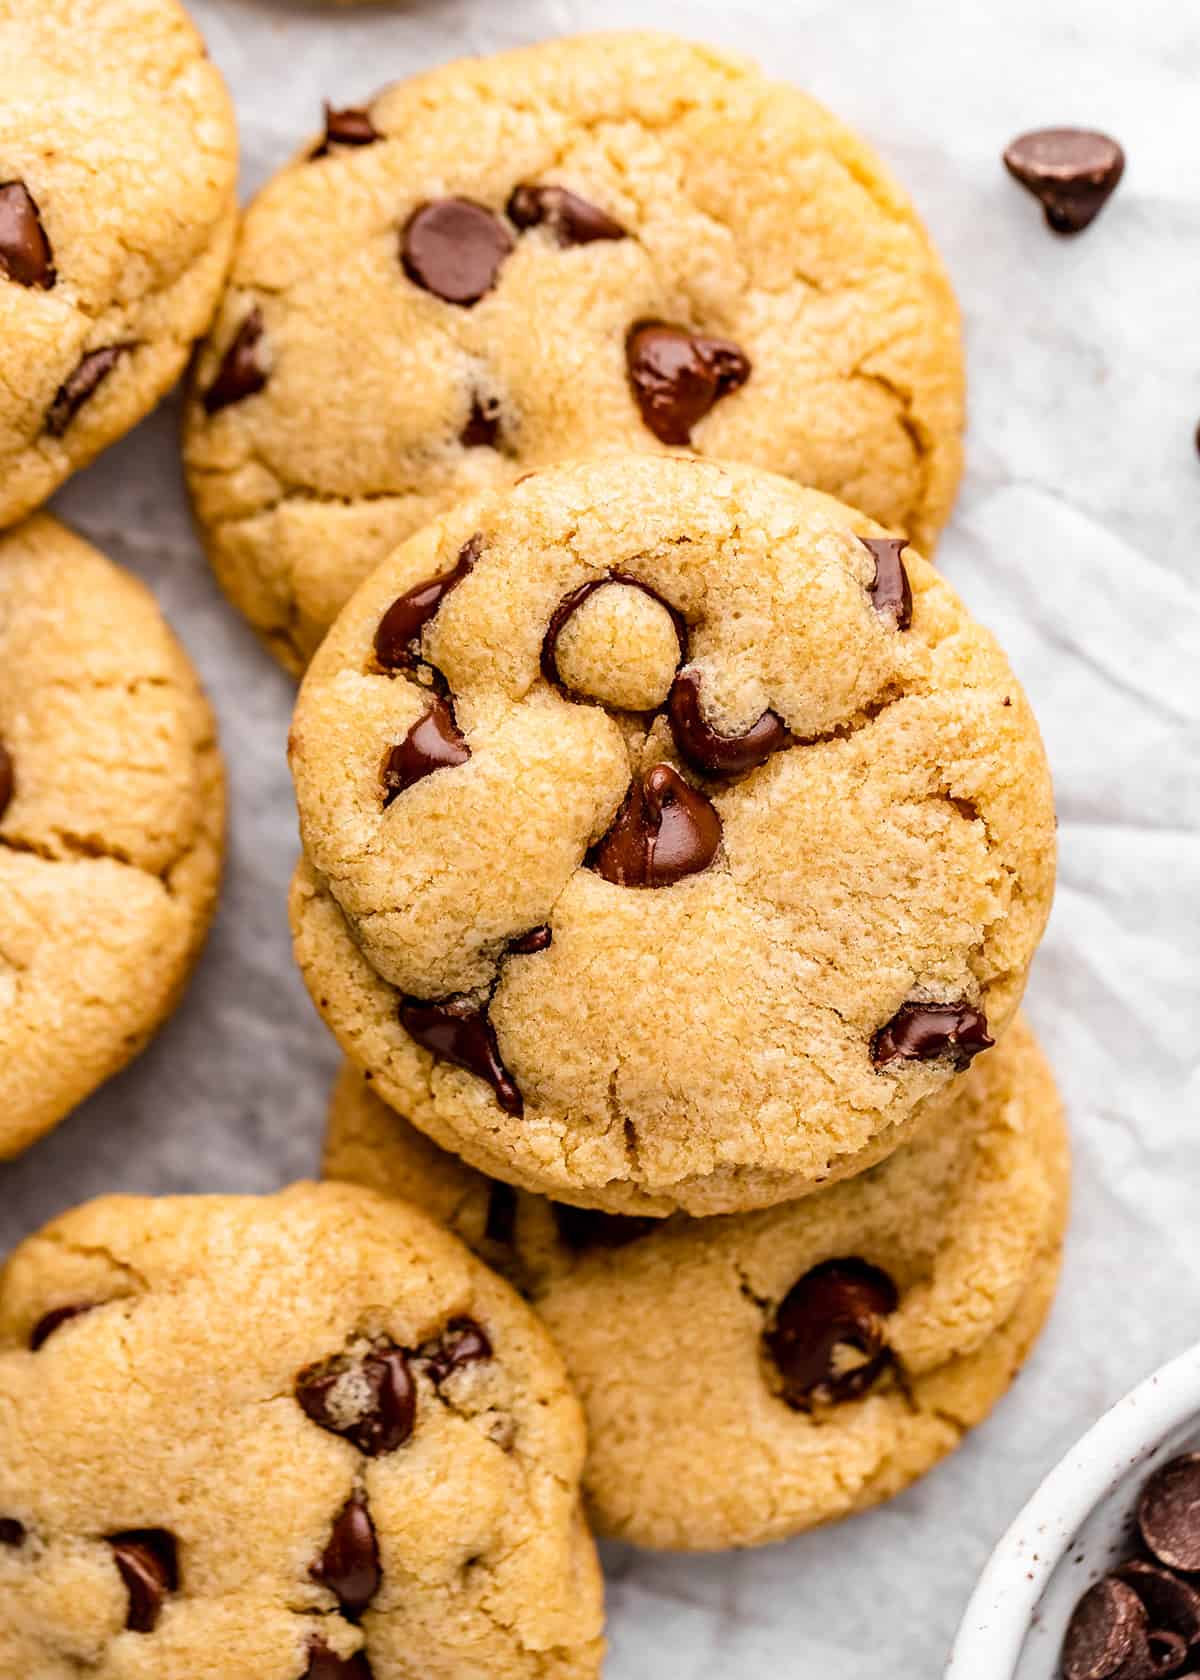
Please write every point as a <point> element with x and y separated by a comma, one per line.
<point>993,1630</point>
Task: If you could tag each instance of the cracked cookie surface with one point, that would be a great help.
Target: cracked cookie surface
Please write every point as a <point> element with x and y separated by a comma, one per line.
<point>606,243</point>
<point>118,170</point>
<point>907,1300</point>
<point>705,957</point>
<point>112,808</point>
<point>301,1437</point>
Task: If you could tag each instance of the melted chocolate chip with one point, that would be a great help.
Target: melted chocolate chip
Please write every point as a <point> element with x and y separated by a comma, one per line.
<point>482,430</point>
<point>1106,1637</point>
<point>78,387</point>
<point>891,594</point>
<point>584,1228</point>
<point>529,944</point>
<point>571,219</point>
<point>572,602</point>
<point>351,126</point>
<point>918,1032</point>
<point>25,254</point>
<point>462,1342</point>
<point>458,1031</point>
<point>1172,1604</point>
<point>371,1402</point>
<point>12,1533</point>
<point>433,743</point>
<point>147,1561</point>
<point>664,831</point>
<point>1072,172</point>
<point>501,1225</point>
<point>324,1664</point>
<point>45,1327</point>
<point>837,1308</point>
<point>398,636</point>
<point>241,373</point>
<point>713,754</point>
<point>8,778</point>
<point>1169,1513</point>
<point>349,1565</point>
<point>455,249</point>
<point>678,376</point>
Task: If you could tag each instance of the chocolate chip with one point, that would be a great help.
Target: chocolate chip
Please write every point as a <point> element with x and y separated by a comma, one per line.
<point>1072,172</point>
<point>1106,1636</point>
<point>584,1228</point>
<point>45,1327</point>
<point>8,778</point>
<point>324,1664</point>
<point>25,254</point>
<point>501,1225</point>
<point>433,743</point>
<point>12,1533</point>
<point>241,373</point>
<point>462,1342</point>
<point>891,594</point>
<point>678,376</point>
<point>1169,1513</point>
<point>398,636</point>
<point>1171,1604</point>
<point>482,430</point>
<point>572,602</point>
<point>455,248</point>
<point>370,1402</point>
<point>147,1561</point>
<point>349,1565</point>
<point>664,831</point>
<point>918,1032</point>
<point>351,126</point>
<point>529,944</point>
<point>827,1342</point>
<point>458,1031</point>
<point>713,754</point>
<point>93,370</point>
<point>571,219</point>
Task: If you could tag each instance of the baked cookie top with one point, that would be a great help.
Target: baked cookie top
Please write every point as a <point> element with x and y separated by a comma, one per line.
<point>111,823</point>
<point>612,242</point>
<point>672,836</point>
<point>747,1377</point>
<point>300,1437</point>
<point>118,169</point>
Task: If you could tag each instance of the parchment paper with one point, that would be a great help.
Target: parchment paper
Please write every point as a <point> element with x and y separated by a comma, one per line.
<point>1077,537</point>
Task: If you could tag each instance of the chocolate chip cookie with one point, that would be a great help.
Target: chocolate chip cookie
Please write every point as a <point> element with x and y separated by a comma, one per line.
<point>111,823</point>
<point>750,1376</point>
<point>118,167</point>
<point>300,1437</point>
<point>672,834</point>
<point>610,243</point>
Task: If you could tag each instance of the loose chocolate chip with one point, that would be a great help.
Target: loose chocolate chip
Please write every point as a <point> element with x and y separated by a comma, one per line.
<point>458,1031</point>
<point>93,370</point>
<point>571,219</point>
<point>1106,1636</point>
<point>147,1561</point>
<point>891,594</point>
<point>713,754</point>
<point>918,1032</point>
<point>433,743</point>
<point>678,376</point>
<point>371,1402</point>
<point>349,1565</point>
<point>1169,1513</point>
<point>241,373</point>
<point>351,126</point>
<point>572,602</point>
<point>12,1533</point>
<point>45,1327</point>
<point>455,249</point>
<point>8,778</point>
<point>398,635</point>
<point>25,254</point>
<point>462,1342</point>
<point>501,1225</point>
<point>664,831</point>
<point>827,1342</point>
<point>324,1664</point>
<point>584,1228</point>
<point>1072,172</point>
<point>482,430</point>
<point>1171,1603</point>
<point>529,944</point>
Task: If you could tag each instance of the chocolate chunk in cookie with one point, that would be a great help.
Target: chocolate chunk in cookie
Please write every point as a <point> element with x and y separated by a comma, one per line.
<point>398,636</point>
<point>241,372</point>
<point>325,1664</point>
<point>828,1340</point>
<point>80,386</point>
<point>890,591</point>
<point>678,376</point>
<point>147,1561</point>
<point>371,1401</point>
<point>463,1342</point>
<point>52,1321</point>
<point>571,219</point>
<point>918,1032</point>
<point>434,742</point>
<point>714,754</point>
<point>350,126</point>
<point>455,249</point>
<point>8,778</point>
<point>458,1031</point>
<point>349,1566</point>
<point>664,831</point>
<point>25,254</point>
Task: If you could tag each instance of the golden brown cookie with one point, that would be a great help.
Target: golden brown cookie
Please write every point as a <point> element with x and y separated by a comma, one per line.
<point>706,954</point>
<point>299,1437</point>
<point>614,242</point>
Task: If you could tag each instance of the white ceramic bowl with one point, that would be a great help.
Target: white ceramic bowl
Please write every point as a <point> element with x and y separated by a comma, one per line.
<point>1075,1527</point>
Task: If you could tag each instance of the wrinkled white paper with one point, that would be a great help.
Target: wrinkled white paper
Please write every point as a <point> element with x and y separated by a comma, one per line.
<point>1077,537</point>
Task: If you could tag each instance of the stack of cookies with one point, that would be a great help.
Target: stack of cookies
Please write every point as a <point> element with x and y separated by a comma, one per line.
<point>675,848</point>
